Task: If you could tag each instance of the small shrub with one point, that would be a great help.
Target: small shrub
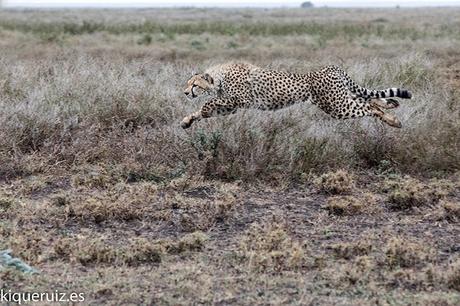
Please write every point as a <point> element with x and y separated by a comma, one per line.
<point>344,205</point>
<point>232,45</point>
<point>51,37</point>
<point>141,250</point>
<point>206,143</point>
<point>451,210</point>
<point>5,204</point>
<point>380,20</point>
<point>401,252</point>
<point>410,193</point>
<point>349,275</point>
<point>204,207</point>
<point>197,45</point>
<point>191,242</point>
<point>64,247</point>
<point>447,210</point>
<point>6,229</point>
<point>453,275</point>
<point>336,182</point>
<point>60,200</point>
<point>348,250</point>
<point>93,177</point>
<point>407,196</point>
<point>413,278</point>
<point>269,247</point>
<point>100,250</point>
<point>224,209</point>
<point>29,245</point>
<point>100,210</point>
<point>95,251</point>
<point>136,251</point>
<point>146,39</point>
<point>440,188</point>
<point>314,153</point>
<point>35,185</point>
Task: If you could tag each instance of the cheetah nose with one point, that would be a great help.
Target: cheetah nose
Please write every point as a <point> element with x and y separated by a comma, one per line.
<point>186,93</point>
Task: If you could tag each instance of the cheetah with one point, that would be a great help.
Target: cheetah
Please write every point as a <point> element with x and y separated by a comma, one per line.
<point>242,85</point>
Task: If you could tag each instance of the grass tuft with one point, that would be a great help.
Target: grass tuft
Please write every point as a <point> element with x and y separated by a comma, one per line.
<point>344,205</point>
<point>453,275</point>
<point>5,204</point>
<point>401,252</point>
<point>269,248</point>
<point>133,252</point>
<point>411,193</point>
<point>348,250</point>
<point>191,242</point>
<point>335,182</point>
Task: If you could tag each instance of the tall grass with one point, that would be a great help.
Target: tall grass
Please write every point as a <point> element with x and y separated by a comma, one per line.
<point>70,109</point>
<point>84,111</point>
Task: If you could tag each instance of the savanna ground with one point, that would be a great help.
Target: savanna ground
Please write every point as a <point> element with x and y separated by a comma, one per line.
<point>104,193</point>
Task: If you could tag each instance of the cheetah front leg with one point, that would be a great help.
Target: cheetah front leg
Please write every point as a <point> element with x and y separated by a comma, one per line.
<point>214,107</point>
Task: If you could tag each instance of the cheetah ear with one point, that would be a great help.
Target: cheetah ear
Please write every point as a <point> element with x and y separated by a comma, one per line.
<point>208,78</point>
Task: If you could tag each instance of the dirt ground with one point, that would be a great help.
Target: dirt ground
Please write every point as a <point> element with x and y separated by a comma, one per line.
<point>340,238</point>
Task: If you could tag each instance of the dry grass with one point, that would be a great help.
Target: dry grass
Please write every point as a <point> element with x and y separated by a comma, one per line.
<point>104,193</point>
<point>451,211</point>
<point>337,182</point>
<point>401,252</point>
<point>100,115</point>
<point>98,251</point>
<point>350,250</point>
<point>352,205</point>
<point>134,251</point>
<point>6,204</point>
<point>411,193</point>
<point>269,248</point>
<point>453,275</point>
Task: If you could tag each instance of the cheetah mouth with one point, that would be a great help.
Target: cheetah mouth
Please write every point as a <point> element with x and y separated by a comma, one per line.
<point>191,96</point>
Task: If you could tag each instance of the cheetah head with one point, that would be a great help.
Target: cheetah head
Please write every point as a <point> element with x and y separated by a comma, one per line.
<point>199,84</point>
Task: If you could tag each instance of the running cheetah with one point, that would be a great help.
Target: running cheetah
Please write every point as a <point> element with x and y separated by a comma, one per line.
<point>242,85</point>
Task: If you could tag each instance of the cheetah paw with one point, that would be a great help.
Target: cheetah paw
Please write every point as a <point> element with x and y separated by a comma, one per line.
<point>393,103</point>
<point>186,123</point>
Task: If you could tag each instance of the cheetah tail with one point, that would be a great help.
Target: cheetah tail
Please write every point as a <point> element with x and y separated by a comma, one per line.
<point>368,93</point>
<point>388,93</point>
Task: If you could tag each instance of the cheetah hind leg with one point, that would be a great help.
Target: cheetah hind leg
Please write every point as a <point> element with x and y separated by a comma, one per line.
<point>384,103</point>
<point>389,119</point>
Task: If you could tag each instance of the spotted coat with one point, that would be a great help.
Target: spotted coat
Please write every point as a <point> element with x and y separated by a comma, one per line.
<point>241,85</point>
